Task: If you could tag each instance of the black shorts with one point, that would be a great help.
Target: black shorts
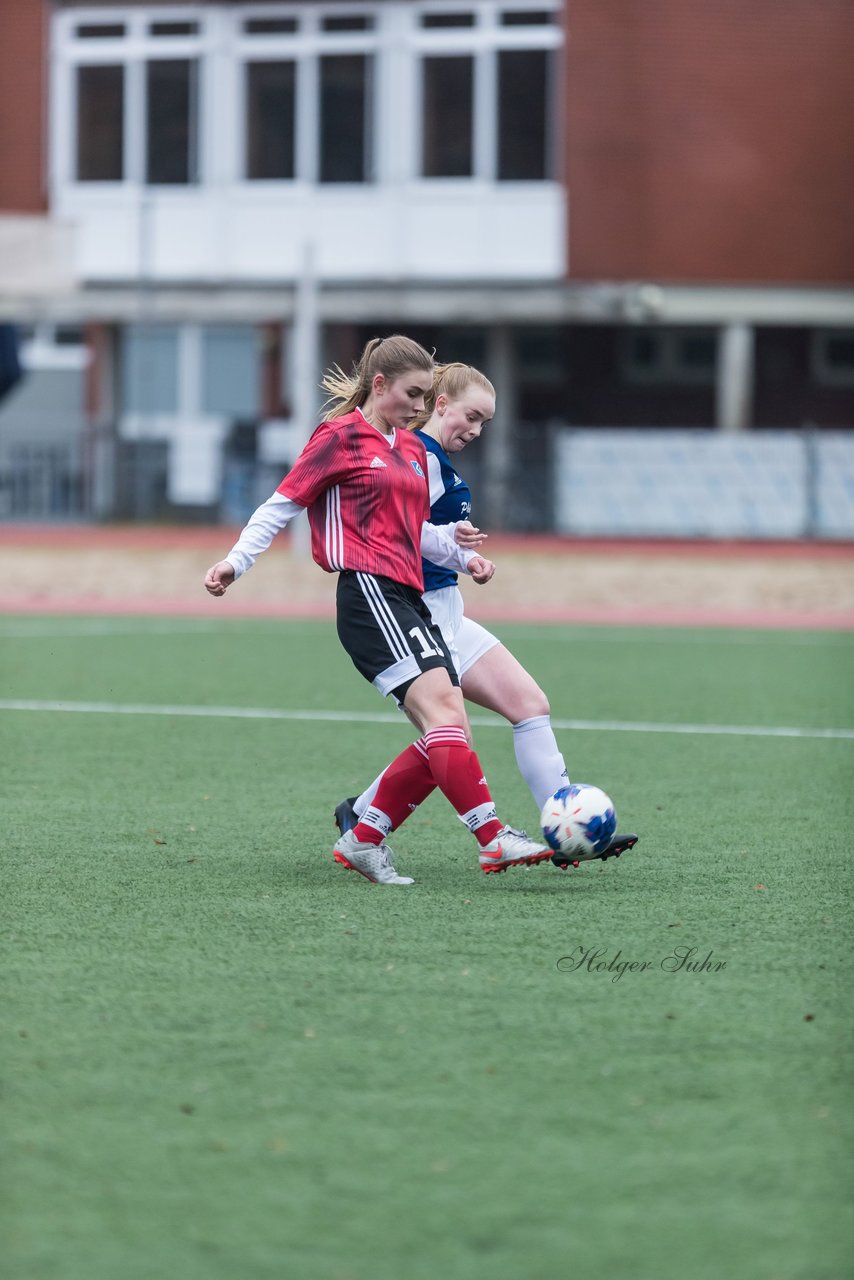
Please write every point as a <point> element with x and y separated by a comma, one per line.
<point>388,632</point>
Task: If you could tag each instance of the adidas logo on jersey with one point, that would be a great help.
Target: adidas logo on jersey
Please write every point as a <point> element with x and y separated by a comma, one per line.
<point>378,462</point>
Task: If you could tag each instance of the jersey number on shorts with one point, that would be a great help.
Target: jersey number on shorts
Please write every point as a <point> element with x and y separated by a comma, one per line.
<point>427,649</point>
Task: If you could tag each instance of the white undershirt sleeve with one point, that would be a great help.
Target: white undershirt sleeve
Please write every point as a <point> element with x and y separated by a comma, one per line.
<point>270,518</point>
<point>439,546</point>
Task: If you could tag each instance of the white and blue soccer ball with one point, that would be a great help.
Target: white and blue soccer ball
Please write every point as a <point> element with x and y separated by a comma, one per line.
<point>579,820</point>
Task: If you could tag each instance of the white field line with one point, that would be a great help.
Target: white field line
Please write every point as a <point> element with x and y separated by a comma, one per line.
<point>635,634</point>
<point>386,717</point>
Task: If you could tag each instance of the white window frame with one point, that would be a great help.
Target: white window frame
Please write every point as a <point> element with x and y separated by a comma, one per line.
<point>396,41</point>
<point>189,364</point>
<point>483,41</point>
<point>306,46</point>
<point>132,51</point>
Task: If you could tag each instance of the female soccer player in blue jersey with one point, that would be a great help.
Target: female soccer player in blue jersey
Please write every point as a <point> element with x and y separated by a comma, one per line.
<point>460,404</point>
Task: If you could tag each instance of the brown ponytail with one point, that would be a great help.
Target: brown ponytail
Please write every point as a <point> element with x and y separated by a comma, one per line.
<point>390,356</point>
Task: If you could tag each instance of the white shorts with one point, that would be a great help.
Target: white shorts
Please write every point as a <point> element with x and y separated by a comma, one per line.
<point>466,640</point>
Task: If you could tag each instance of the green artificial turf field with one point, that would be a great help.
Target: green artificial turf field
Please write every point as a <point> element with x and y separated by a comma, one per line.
<point>225,1058</point>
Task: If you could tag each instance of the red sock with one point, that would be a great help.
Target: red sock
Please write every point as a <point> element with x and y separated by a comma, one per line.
<point>458,774</point>
<point>406,782</point>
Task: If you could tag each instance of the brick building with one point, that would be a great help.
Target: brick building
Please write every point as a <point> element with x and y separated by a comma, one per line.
<point>628,214</point>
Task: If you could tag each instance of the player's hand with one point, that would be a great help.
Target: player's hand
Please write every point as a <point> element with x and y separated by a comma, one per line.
<point>466,535</point>
<point>481,569</point>
<point>219,577</point>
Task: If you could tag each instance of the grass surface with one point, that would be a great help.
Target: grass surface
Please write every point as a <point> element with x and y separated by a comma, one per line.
<point>224,1057</point>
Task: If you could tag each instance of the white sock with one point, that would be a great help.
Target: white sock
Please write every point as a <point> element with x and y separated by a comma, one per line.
<point>362,802</point>
<point>539,758</point>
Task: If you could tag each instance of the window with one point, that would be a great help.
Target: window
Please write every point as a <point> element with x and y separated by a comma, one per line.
<point>191,371</point>
<point>488,97</point>
<point>528,18</point>
<point>100,31</point>
<point>149,370</point>
<point>696,351</point>
<point>171,121</point>
<point>321,91</point>
<point>353,22</point>
<point>100,123</point>
<point>270,119</point>
<point>230,383</point>
<point>174,28</point>
<point>662,355</point>
<point>523,116</point>
<point>439,20</point>
<point>269,26</point>
<point>447,117</point>
<point>833,357</point>
<point>134,90</point>
<point>343,118</point>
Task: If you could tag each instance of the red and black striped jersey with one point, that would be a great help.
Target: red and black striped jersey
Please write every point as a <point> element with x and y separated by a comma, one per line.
<point>367,497</point>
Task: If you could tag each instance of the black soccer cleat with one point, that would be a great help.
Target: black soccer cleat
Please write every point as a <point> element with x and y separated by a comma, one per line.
<point>618,845</point>
<point>346,817</point>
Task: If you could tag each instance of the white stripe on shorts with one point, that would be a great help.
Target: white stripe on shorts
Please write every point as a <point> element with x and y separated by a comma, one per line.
<point>385,619</point>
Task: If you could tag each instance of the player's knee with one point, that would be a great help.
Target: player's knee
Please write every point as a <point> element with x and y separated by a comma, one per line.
<point>450,710</point>
<point>542,703</point>
<point>535,703</point>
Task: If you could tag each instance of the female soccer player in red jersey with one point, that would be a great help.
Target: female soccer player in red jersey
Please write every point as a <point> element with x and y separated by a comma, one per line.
<point>363,478</point>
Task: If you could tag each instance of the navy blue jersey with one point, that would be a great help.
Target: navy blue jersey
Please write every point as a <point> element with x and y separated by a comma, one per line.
<point>450,500</point>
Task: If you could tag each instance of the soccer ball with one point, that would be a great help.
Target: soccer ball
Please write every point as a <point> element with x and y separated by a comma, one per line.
<point>579,820</point>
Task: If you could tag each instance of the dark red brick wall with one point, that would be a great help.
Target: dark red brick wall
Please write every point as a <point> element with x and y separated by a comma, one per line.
<point>711,140</point>
<point>23,89</point>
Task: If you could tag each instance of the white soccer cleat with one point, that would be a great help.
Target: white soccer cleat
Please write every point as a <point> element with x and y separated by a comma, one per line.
<point>373,861</point>
<point>512,848</point>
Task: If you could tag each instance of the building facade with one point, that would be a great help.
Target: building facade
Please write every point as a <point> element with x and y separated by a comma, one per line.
<point>629,215</point>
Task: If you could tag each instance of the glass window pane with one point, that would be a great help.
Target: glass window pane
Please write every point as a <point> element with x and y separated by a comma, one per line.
<point>344,90</point>
<point>150,369</point>
<point>100,124</point>
<point>523,97</point>
<point>269,26</point>
<point>528,18</point>
<point>697,350</point>
<point>448,117</point>
<point>171,118</point>
<point>100,31</point>
<point>231,376</point>
<point>447,19</point>
<point>270,119</point>
<point>644,349</point>
<point>174,28</point>
<point>355,22</point>
<point>839,351</point>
